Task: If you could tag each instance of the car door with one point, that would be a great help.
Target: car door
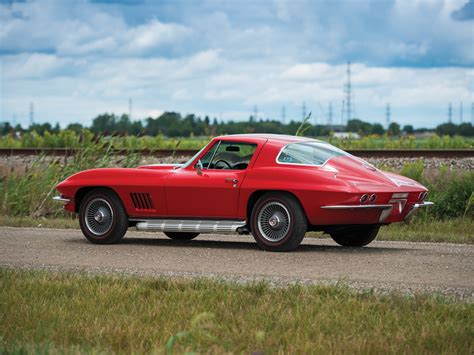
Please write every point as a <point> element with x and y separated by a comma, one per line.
<point>210,189</point>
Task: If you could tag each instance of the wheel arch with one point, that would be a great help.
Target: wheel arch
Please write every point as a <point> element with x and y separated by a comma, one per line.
<point>254,197</point>
<point>83,191</point>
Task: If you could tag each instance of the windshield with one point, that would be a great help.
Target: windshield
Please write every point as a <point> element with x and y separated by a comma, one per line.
<point>189,162</point>
<point>309,153</point>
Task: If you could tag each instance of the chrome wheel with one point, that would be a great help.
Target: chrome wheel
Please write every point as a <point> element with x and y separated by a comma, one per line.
<point>274,221</point>
<point>98,216</point>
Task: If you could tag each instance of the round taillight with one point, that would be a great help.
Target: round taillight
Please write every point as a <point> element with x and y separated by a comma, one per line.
<point>364,198</point>
<point>372,198</point>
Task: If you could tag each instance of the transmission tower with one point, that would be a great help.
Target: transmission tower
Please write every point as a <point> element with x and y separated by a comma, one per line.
<point>303,110</point>
<point>283,114</point>
<point>461,109</point>
<point>387,115</point>
<point>348,91</point>
<point>450,112</point>
<point>342,114</point>
<point>255,113</point>
<point>472,113</point>
<point>130,108</point>
<point>32,113</point>
<point>330,114</point>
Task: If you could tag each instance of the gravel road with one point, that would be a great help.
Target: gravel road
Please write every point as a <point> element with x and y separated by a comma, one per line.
<point>383,266</point>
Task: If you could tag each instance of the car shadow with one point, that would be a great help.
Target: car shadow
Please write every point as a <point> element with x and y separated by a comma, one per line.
<point>249,245</point>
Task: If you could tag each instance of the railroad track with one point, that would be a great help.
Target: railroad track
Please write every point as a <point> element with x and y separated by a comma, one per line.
<point>366,153</point>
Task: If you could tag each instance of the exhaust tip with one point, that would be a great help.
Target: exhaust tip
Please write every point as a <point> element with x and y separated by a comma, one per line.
<point>372,198</point>
<point>364,198</point>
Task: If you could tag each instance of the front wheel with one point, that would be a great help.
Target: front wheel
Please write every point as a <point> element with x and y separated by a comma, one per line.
<point>102,217</point>
<point>278,222</point>
<point>355,236</point>
<point>181,235</point>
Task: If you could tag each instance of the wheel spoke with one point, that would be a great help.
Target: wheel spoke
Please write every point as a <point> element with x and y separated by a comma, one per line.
<point>98,216</point>
<point>274,221</point>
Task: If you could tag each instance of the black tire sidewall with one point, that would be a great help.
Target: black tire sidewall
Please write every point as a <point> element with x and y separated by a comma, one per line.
<point>181,235</point>
<point>295,211</point>
<point>120,218</point>
<point>356,238</point>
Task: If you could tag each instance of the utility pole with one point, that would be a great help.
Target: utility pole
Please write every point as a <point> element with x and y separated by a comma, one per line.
<point>330,114</point>
<point>32,113</point>
<point>130,107</point>
<point>348,90</point>
<point>387,115</point>
<point>303,110</point>
<point>283,114</point>
<point>460,112</point>
<point>450,112</point>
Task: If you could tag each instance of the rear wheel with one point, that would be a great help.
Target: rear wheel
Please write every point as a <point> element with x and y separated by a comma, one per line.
<point>103,218</point>
<point>278,222</point>
<point>355,236</point>
<point>181,235</point>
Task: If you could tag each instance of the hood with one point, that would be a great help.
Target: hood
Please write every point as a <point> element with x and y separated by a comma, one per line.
<point>363,175</point>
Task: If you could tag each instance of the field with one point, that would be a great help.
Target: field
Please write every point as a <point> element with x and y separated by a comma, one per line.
<point>70,313</point>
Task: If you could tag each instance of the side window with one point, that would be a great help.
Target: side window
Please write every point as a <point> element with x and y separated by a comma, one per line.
<point>233,156</point>
<point>205,160</point>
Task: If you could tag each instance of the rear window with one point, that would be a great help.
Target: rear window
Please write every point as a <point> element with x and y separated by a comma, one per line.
<point>309,153</point>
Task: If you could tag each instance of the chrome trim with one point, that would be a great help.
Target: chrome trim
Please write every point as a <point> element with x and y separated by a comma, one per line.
<point>355,207</point>
<point>190,225</point>
<point>61,199</point>
<point>415,208</point>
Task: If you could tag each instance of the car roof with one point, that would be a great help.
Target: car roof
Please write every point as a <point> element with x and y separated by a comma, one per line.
<point>281,139</point>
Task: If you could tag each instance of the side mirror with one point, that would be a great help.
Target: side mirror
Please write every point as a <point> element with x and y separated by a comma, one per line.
<point>199,167</point>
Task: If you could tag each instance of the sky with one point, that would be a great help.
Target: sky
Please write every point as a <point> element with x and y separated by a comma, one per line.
<point>76,59</point>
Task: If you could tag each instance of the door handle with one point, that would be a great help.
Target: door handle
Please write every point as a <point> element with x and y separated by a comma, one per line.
<point>232,180</point>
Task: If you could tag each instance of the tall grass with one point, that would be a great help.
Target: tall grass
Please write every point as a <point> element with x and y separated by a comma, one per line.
<point>30,193</point>
<point>59,312</point>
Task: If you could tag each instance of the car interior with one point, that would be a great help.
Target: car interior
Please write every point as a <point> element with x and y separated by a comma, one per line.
<point>228,155</point>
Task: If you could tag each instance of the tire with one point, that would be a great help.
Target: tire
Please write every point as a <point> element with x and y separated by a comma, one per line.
<point>278,222</point>
<point>181,235</point>
<point>102,217</point>
<point>356,236</point>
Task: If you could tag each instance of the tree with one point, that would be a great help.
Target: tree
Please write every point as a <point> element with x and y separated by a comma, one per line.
<point>393,129</point>
<point>408,129</point>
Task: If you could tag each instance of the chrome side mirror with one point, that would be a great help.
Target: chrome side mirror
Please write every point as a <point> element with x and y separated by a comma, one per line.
<point>199,167</point>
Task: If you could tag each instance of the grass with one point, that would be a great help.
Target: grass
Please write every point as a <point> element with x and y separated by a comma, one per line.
<point>457,230</point>
<point>69,313</point>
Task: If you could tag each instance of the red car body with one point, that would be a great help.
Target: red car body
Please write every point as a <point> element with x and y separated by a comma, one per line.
<point>331,194</point>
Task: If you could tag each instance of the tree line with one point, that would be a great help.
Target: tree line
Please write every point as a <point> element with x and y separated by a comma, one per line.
<point>173,124</point>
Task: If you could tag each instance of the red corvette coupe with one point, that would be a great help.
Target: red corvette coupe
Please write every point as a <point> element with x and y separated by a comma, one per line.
<point>274,186</point>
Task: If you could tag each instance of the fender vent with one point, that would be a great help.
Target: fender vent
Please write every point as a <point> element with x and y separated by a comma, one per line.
<point>142,201</point>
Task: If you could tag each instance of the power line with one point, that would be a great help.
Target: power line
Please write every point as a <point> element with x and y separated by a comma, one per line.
<point>450,112</point>
<point>460,112</point>
<point>283,114</point>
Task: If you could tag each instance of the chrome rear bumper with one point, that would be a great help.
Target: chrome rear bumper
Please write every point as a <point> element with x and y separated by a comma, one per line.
<point>415,208</point>
<point>386,209</point>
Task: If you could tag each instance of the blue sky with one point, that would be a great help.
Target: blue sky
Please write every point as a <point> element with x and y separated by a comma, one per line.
<point>76,59</point>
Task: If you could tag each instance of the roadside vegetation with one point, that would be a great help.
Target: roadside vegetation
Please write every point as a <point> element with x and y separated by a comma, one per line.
<point>44,312</point>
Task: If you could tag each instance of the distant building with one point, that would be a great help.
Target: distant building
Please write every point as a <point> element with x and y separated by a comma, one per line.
<point>346,135</point>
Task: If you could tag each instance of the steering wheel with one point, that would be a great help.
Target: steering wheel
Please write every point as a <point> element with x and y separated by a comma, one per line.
<point>222,161</point>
